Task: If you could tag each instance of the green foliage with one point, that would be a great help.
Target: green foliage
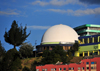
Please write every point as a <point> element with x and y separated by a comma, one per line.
<point>16,35</point>
<point>2,51</point>
<point>11,61</point>
<point>75,47</point>
<point>26,50</point>
<point>25,69</point>
<point>51,57</point>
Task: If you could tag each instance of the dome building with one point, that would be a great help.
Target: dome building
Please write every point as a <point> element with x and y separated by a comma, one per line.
<point>61,35</point>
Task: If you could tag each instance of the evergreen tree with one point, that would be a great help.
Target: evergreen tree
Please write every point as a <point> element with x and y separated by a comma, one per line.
<point>11,61</point>
<point>25,69</point>
<point>26,50</point>
<point>16,35</point>
<point>2,51</point>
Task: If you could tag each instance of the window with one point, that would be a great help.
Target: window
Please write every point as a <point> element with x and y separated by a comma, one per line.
<point>43,70</point>
<point>72,68</point>
<point>95,39</point>
<point>82,68</point>
<point>92,62</point>
<point>87,62</point>
<point>91,53</point>
<point>37,69</point>
<point>87,67</point>
<point>92,67</point>
<point>86,54</point>
<point>69,68</point>
<point>85,40</point>
<point>52,69</point>
<point>60,68</point>
<point>64,68</point>
<point>81,54</point>
<point>90,40</point>
<point>79,68</point>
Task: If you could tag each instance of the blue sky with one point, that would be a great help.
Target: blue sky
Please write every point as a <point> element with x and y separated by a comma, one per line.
<point>39,15</point>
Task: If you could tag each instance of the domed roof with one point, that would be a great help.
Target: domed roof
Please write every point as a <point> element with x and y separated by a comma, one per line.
<point>59,34</point>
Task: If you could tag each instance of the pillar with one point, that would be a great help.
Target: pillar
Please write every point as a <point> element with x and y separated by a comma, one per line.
<point>83,40</point>
<point>98,52</point>
<point>88,53</point>
<point>83,53</point>
<point>93,40</point>
<point>88,40</point>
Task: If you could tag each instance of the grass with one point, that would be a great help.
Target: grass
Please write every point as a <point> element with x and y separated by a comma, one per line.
<point>28,61</point>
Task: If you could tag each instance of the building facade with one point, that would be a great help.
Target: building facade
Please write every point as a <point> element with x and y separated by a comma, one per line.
<point>57,35</point>
<point>87,29</point>
<point>84,65</point>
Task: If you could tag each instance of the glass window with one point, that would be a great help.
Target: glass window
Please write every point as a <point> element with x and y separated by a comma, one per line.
<point>90,40</point>
<point>42,69</point>
<point>86,54</point>
<point>37,69</point>
<point>95,63</point>
<point>90,53</point>
<point>69,68</point>
<point>81,54</point>
<point>52,69</point>
<point>60,68</point>
<point>92,62</point>
<point>45,69</point>
<point>82,68</point>
<point>87,62</point>
<point>92,67</point>
<point>85,40</point>
<point>87,67</point>
<point>64,68</point>
<point>95,39</point>
<point>79,68</point>
<point>72,68</point>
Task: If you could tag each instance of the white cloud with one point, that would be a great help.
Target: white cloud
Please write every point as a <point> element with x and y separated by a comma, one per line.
<point>57,2</point>
<point>79,12</point>
<point>9,12</point>
<point>38,27</point>
<point>12,12</point>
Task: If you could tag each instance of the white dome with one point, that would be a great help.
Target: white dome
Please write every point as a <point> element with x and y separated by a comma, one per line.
<point>59,34</point>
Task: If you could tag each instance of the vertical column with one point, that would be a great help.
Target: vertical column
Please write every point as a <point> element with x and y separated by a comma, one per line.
<point>88,40</point>
<point>98,38</point>
<point>93,40</point>
<point>88,53</point>
<point>83,40</point>
<point>98,52</point>
<point>83,53</point>
<point>78,54</point>
<point>93,52</point>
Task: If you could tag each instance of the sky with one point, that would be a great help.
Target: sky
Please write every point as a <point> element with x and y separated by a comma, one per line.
<point>39,15</point>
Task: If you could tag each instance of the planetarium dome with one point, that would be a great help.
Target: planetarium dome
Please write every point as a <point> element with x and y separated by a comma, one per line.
<point>59,34</point>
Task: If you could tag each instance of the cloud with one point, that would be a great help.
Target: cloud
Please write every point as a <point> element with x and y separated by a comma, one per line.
<point>38,27</point>
<point>10,12</point>
<point>57,2</point>
<point>79,12</point>
<point>90,1</point>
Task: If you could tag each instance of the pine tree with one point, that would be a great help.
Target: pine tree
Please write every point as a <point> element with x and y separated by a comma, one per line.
<point>16,35</point>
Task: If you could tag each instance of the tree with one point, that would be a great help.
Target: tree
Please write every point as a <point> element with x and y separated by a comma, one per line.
<point>51,57</point>
<point>26,50</point>
<point>25,69</point>
<point>2,51</point>
<point>11,61</point>
<point>16,35</point>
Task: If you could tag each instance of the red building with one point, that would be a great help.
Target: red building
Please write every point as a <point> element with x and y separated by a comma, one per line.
<point>84,65</point>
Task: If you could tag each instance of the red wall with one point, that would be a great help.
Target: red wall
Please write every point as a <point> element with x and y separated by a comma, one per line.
<point>82,64</point>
